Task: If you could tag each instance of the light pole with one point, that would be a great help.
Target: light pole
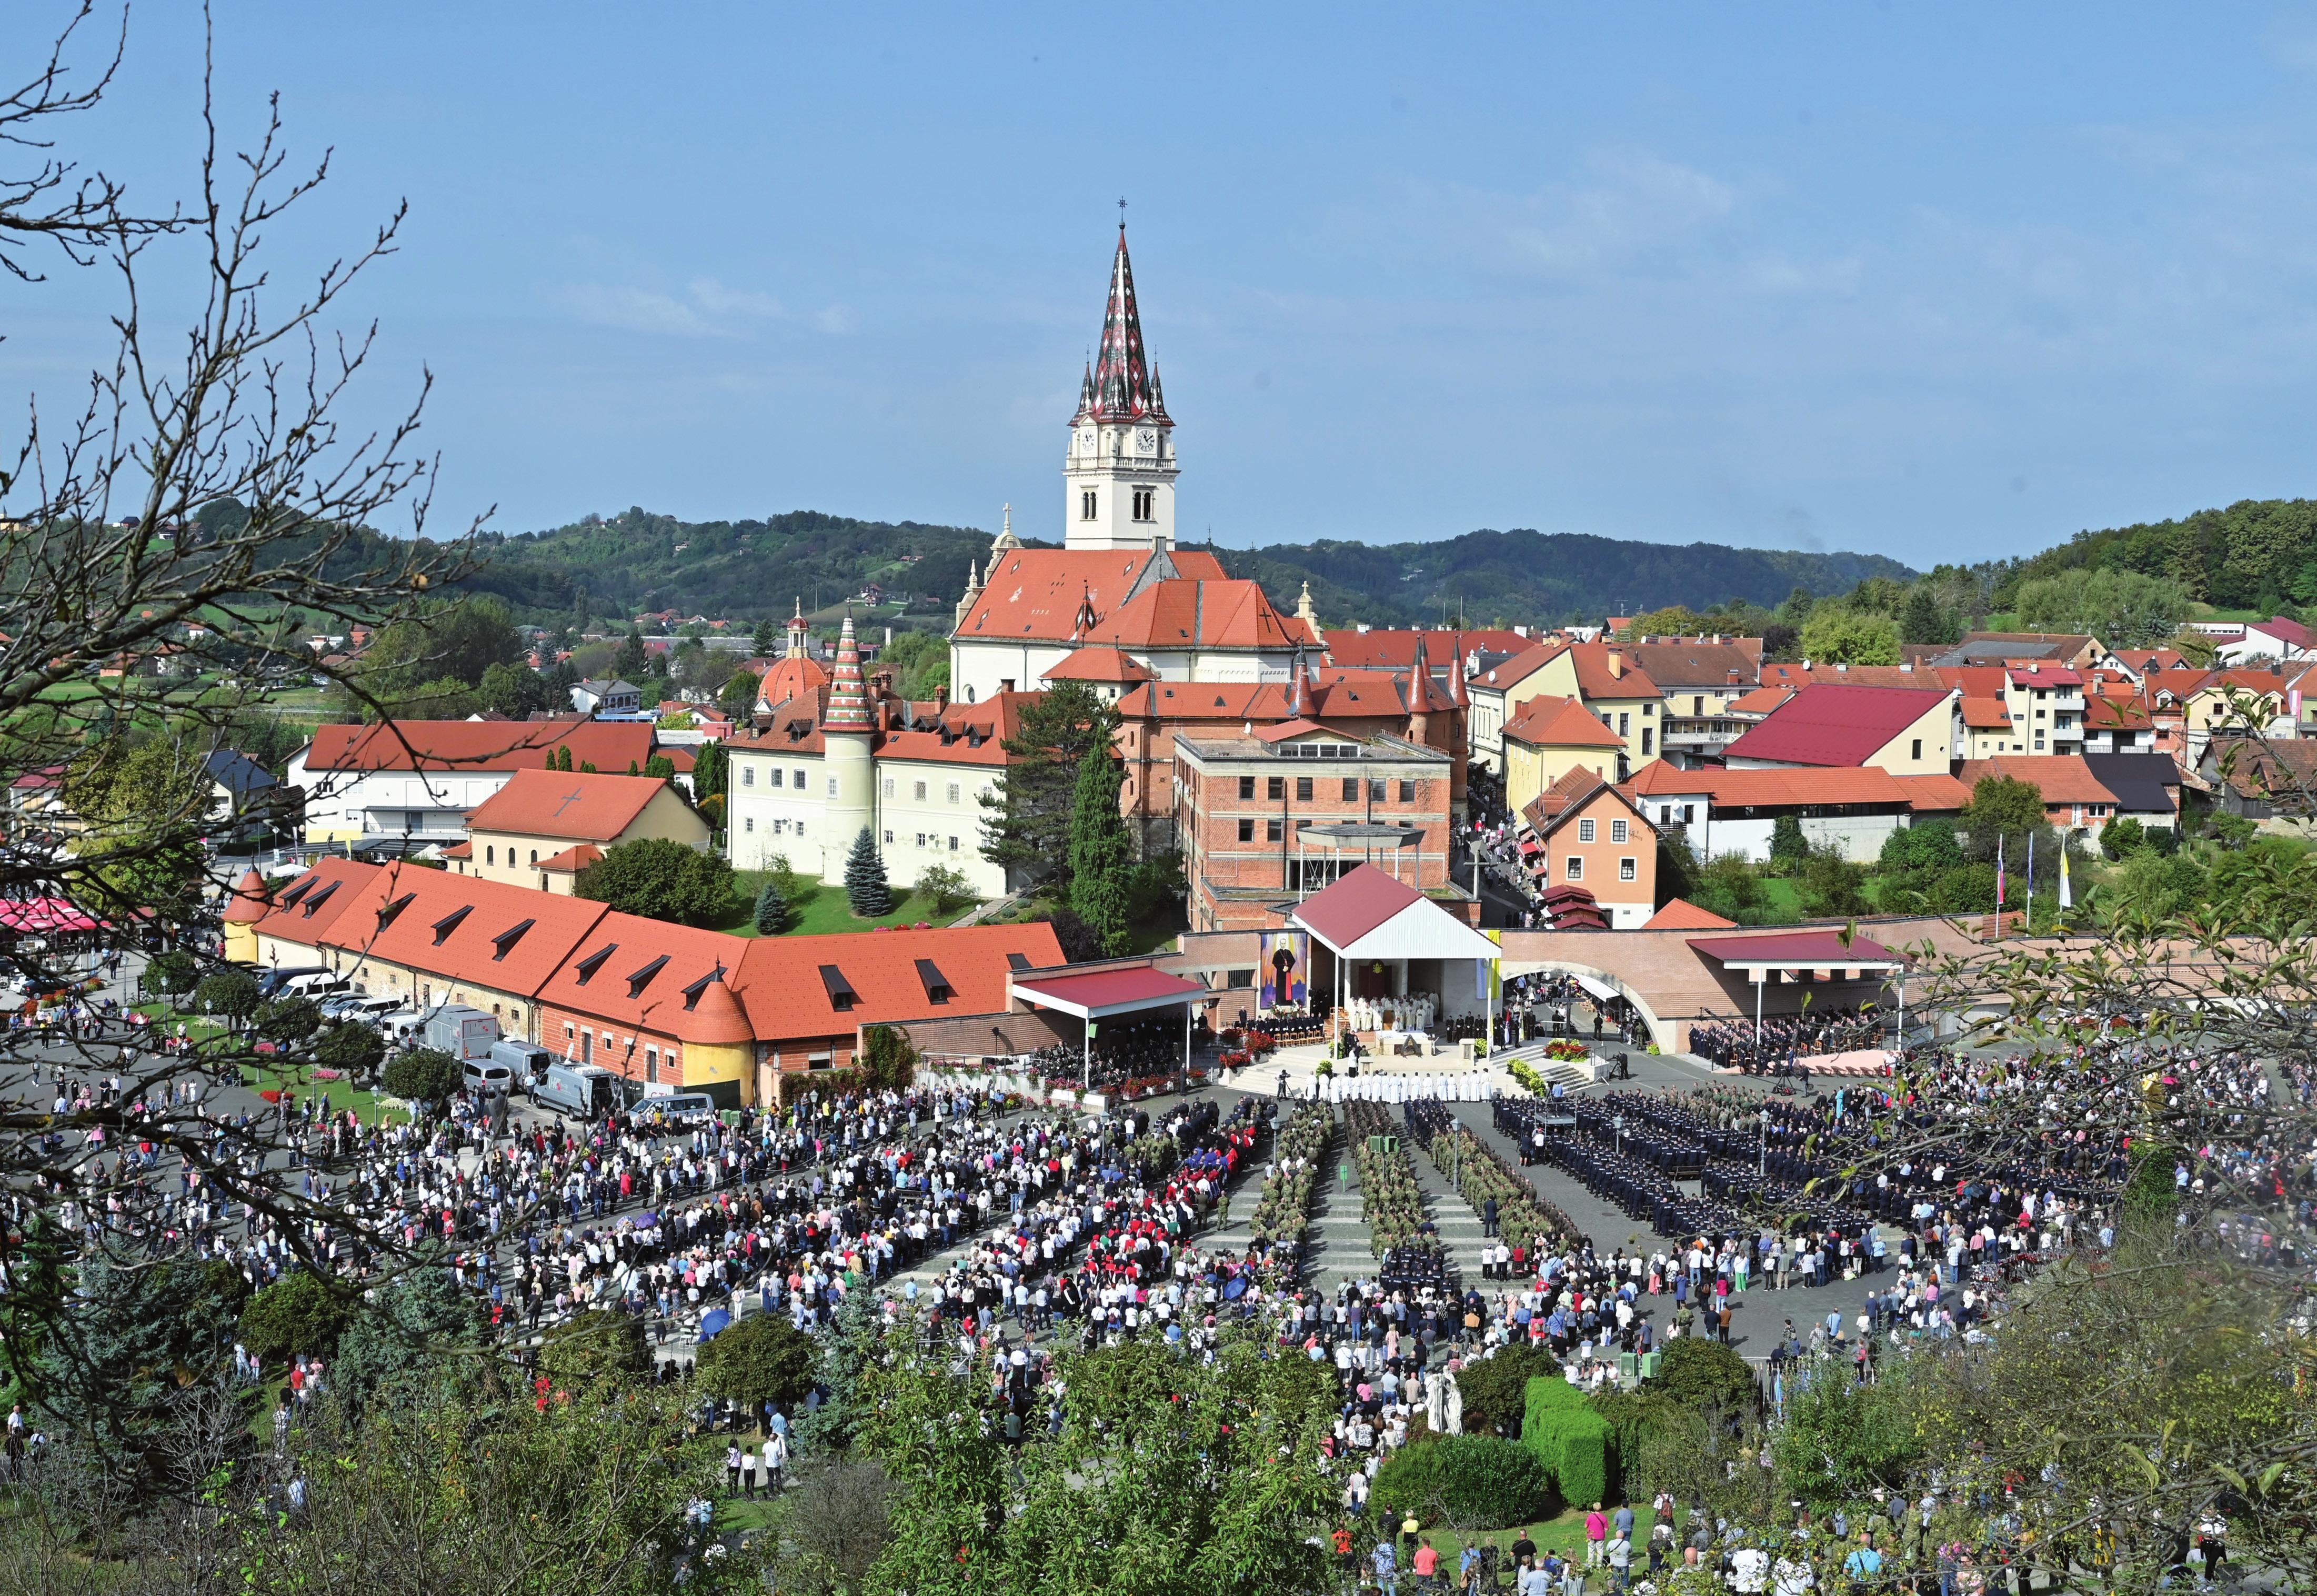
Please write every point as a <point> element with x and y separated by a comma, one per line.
<point>1763,1169</point>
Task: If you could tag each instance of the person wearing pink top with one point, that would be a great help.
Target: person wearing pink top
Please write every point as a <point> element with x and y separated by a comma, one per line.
<point>1596,1534</point>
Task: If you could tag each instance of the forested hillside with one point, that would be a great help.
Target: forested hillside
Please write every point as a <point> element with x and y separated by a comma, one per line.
<point>2256,554</point>
<point>638,561</point>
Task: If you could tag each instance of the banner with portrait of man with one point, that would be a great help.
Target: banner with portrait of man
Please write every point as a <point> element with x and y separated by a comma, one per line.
<point>1282,966</point>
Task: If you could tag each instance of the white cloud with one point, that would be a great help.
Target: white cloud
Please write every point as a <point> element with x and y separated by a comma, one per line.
<point>705,310</point>
<point>835,318</point>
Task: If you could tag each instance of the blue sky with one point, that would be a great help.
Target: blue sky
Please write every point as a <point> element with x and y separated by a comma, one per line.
<point>1940,282</point>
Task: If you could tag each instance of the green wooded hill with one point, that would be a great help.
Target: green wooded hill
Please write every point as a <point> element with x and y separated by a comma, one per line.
<point>638,561</point>
<point>2256,554</point>
<point>1543,576</point>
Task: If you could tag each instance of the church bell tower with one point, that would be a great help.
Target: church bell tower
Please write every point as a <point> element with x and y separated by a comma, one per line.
<point>1118,480</point>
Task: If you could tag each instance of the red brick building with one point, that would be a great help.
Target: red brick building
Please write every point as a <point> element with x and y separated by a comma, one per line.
<point>1264,818</point>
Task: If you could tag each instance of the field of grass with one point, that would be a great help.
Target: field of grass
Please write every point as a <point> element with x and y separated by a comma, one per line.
<point>821,910</point>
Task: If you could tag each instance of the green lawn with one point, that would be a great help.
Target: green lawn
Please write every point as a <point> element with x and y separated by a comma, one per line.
<point>820,910</point>
<point>1563,1533</point>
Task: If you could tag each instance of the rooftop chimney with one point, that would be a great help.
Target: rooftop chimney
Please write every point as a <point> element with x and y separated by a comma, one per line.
<point>940,699</point>
<point>1616,663</point>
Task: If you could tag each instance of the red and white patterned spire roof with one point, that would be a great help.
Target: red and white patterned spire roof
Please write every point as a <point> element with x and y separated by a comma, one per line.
<point>848,695</point>
<point>1123,386</point>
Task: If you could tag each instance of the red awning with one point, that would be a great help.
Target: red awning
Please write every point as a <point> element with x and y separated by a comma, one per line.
<point>1797,950</point>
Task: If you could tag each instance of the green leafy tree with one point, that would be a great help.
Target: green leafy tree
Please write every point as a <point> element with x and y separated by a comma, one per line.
<point>1838,634</point>
<point>1705,1374</point>
<point>1923,619</point>
<point>712,771</point>
<point>170,973</point>
<point>288,1019</point>
<point>232,994</point>
<point>1466,1482</point>
<point>1028,819</point>
<point>630,662</point>
<point>2121,836</point>
<point>298,1313</point>
<point>513,689</point>
<point>595,1346</point>
<point>2125,609</point>
<point>144,810</point>
<point>131,1336</point>
<point>944,887</point>
<point>1102,855</point>
<point>1788,846</point>
<point>865,886</point>
<point>660,767</point>
<point>1673,621</point>
<point>886,1061</point>
<point>737,697</point>
<point>1830,885</point>
<point>1495,1388</point>
<point>758,1359</point>
<point>770,914</point>
<point>412,1344</point>
<point>423,1075</point>
<point>660,879</point>
<point>2006,808</point>
<point>1169,1477</point>
<point>350,1047</point>
<point>454,641</point>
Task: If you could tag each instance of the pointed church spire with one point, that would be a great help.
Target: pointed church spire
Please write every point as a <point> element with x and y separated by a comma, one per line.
<point>798,632</point>
<point>1305,613</point>
<point>1306,705</point>
<point>1420,679</point>
<point>848,695</point>
<point>1456,697</point>
<point>1005,540</point>
<point>972,591</point>
<point>1123,388</point>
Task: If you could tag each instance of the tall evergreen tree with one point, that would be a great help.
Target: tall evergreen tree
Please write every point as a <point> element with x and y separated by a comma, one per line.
<point>772,910</point>
<point>1102,856</point>
<point>865,887</point>
<point>1027,829</point>
<point>767,636</point>
<point>630,662</point>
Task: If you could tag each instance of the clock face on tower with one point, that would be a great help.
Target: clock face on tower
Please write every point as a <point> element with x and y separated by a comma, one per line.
<point>1146,440</point>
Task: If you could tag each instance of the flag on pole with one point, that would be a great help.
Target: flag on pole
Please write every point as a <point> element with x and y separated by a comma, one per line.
<point>1998,874</point>
<point>2031,873</point>
<point>2067,899</point>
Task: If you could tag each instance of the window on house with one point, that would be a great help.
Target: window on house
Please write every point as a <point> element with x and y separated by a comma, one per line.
<point>1624,870</point>
<point>535,856</point>
<point>889,786</point>
<point>1142,502</point>
<point>1646,736</point>
<point>1376,790</point>
<point>832,787</point>
<point>1574,869</point>
<point>748,777</point>
<point>796,780</point>
<point>1351,789</point>
<point>918,792</point>
<point>1649,711</point>
<point>1625,722</point>
<point>889,839</point>
<point>749,824</point>
<point>1272,830</point>
<point>1274,787</point>
<point>1616,831</point>
<point>491,854</point>
<point>1304,789</point>
<point>1086,505</point>
<point>1697,706</point>
<point>1687,810</point>
<point>952,791</point>
<point>1246,786</point>
<point>1408,792</point>
<point>1917,745</point>
<point>1246,830</point>
<point>1584,831</point>
<point>652,1064</point>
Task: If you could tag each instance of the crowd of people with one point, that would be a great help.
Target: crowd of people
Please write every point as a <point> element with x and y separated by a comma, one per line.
<point>1778,1045</point>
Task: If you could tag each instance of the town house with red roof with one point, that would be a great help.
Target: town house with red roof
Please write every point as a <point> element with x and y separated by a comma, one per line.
<point>1904,731</point>
<point>418,780</point>
<point>545,826</point>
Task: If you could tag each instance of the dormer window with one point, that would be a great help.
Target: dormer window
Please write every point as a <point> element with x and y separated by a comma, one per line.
<point>841,995</point>
<point>641,979</point>
<point>936,984</point>
<point>386,915</point>
<point>587,967</point>
<point>504,943</point>
<point>317,900</point>
<point>450,922</point>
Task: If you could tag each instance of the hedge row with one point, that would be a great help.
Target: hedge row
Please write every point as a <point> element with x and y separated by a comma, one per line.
<point>1473,1482</point>
<point>1577,1444</point>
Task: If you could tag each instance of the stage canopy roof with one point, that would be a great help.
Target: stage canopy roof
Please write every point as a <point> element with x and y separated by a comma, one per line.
<point>1368,915</point>
<point>1797,950</point>
<point>1097,994</point>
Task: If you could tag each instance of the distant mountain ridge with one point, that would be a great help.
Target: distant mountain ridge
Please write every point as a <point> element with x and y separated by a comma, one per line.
<point>637,562</point>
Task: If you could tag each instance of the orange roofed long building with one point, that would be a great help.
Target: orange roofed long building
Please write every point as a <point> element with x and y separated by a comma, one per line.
<point>546,826</point>
<point>667,1006</point>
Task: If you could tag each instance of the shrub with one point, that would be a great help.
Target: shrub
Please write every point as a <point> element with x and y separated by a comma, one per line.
<point>761,1358</point>
<point>1570,1439</point>
<point>171,972</point>
<point>594,1345</point>
<point>1473,1481</point>
<point>2121,836</point>
<point>1703,1373</point>
<point>288,1019</point>
<point>423,1075</point>
<point>297,1314</point>
<point>1495,1388</point>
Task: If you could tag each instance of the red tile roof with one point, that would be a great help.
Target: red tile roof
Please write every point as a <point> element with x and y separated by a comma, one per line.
<point>1986,715</point>
<point>1188,615</point>
<point>1101,989</point>
<point>970,734</point>
<point>1933,794</point>
<point>1741,789</point>
<point>2061,779</point>
<point>1550,722</point>
<point>1836,726</point>
<point>1097,665</point>
<point>1682,915</point>
<point>781,986</point>
<point>1036,593</point>
<point>572,860</point>
<point>1395,650</point>
<point>478,745</point>
<point>1789,674</point>
<point>579,805</point>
